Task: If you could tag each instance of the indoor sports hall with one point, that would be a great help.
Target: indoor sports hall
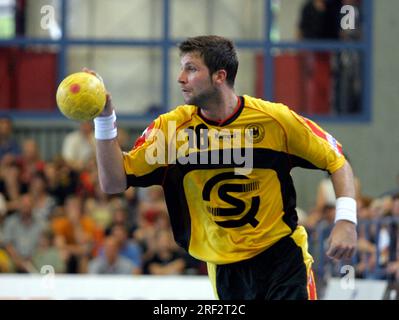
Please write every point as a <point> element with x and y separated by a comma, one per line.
<point>334,62</point>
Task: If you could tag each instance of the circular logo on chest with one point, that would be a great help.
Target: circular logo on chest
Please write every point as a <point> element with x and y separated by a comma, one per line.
<point>256,131</point>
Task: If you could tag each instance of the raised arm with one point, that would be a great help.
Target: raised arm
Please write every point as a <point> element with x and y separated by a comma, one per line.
<point>343,237</point>
<point>111,172</point>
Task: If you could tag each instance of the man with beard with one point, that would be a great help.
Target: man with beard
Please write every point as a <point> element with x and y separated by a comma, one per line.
<point>239,218</point>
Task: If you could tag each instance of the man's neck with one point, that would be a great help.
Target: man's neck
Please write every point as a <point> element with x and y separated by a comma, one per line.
<point>219,111</point>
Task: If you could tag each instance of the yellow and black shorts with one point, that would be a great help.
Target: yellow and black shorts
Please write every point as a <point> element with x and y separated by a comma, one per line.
<point>278,273</point>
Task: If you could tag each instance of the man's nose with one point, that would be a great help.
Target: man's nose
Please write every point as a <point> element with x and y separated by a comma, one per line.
<point>182,77</point>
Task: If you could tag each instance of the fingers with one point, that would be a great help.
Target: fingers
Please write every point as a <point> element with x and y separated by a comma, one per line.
<point>109,100</point>
<point>340,252</point>
<point>342,241</point>
<point>84,69</point>
<point>350,253</point>
<point>108,108</point>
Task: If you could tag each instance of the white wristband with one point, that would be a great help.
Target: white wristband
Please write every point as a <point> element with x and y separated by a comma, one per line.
<point>345,209</point>
<point>105,127</point>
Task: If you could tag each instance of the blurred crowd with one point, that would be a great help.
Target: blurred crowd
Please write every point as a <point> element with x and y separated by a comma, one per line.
<point>377,255</point>
<point>53,213</point>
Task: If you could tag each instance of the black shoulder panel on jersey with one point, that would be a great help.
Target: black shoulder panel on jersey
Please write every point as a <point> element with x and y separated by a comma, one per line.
<point>300,162</point>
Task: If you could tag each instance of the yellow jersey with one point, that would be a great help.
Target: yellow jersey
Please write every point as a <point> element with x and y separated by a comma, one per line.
<point>227,184</point>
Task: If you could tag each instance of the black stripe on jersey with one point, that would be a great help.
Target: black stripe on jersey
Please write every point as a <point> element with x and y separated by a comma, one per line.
<point>302,163</point>
<point>176,202</point>
<point>262,158</point>
<point>153,178</point>
<point>171,180</point>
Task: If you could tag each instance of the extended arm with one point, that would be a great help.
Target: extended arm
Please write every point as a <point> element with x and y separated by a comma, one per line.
<point>343,238</point>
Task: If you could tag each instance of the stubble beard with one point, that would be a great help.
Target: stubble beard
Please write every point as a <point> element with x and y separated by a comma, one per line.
<point>206,99</point>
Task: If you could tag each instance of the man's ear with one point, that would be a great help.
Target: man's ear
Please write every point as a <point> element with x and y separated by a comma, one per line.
<point>219,77</point>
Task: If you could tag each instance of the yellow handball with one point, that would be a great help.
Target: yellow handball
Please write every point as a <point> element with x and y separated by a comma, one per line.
<point>81,96</point>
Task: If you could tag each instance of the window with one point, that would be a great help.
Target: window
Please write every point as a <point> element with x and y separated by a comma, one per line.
<point>133,45</point>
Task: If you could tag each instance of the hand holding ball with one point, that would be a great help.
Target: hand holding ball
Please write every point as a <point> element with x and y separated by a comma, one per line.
<point>81,96</point>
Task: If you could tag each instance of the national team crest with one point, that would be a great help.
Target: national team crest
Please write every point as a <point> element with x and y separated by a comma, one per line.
<point>257,132</point>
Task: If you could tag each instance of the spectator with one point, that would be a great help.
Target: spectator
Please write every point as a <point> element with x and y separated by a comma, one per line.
<point>29,162</point>
<point>347,69</point>
<point>88,181</point>
<point>319,20</point>
<point>78,235</point>
<point>99,212</point>
<point>21,235</point>
<point>8,144</point>
<point>393,264</point>
<point>78,146</point>
<point>119,215</point>
<point>129,248</point>
<point>111,262</point>
<point>132,202</point>
<point>3,209</point>
<point>44,203</point>
<point>325,195</point>
<point>374,238</point>
<point>10,184</point>
<point>167,258</point>
<point>152,217</point>
<point>152,203</point>
<point>124,138</point>
<point>47,253</point>
<point>61,179</point>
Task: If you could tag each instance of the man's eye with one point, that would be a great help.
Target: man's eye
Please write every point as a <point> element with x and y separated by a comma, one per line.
<point>191,68</point>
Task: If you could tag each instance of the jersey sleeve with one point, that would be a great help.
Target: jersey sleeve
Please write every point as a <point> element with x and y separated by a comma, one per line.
<point>309,142</point>
<point>145,164</point>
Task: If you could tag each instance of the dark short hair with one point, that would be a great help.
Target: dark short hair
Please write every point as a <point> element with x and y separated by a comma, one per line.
<point>218,53</point>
